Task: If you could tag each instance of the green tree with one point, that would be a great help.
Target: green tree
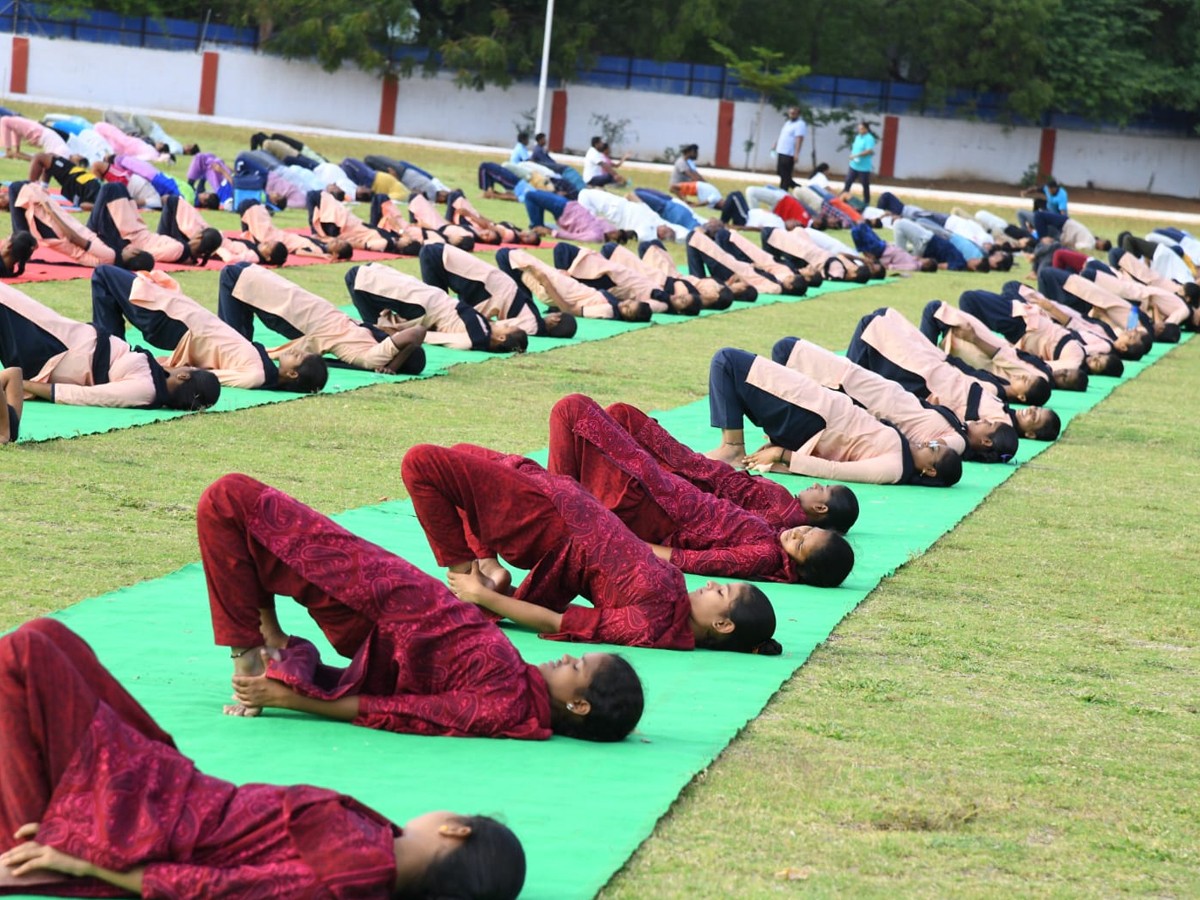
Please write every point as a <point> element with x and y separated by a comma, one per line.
<point>764,73</point>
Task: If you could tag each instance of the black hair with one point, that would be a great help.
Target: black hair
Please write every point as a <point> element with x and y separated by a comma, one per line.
<point>1071,380</point>
<point>948,466</point>
<point>208,200</point>
<point>335,192</point>
<point>515,341</point>
<point>641,313</point>
<point>876,268</point>
<point>346,251</point>
<point>616,700</point>
<point>210,242</point>
<point>1039,392</point>
<point>539,135</point>
<point>139,262</point>
<point>1004,446</point>
<point>488,864</point>
<point>984,266</point>
<point>191,149</point>
<point>1137,347</point>
<point>1005,262</point>
<point>1050,430</point>
<point>278,255</point>
<point>829,565</point>
<point>821,167</point>
<point>624,236</point>
<point>862,274</point>
<point>200,391</point>
<point>566,327</point>
<point>462,242</point>
<point>928,264</point>
<point>753,620</point>
<point>22,245</point>
<point>311,376</point>
<point>1191,291</point>
<point>748,293</point>
<point>724,298</point>
<point>1112,363</point>
<point>1168,333</point>
<point>843,509</point>
<point>523,137</point>
<point>689,306</point>
<point>246,204</point>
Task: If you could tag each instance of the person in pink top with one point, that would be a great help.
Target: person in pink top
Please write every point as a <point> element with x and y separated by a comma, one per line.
<point>133,146</point>
<point>504,301</point>
<point>68,362</point>
<point>262,231</point>
<point>168,319</point>
<point>33,209</point>
<point>812,430</point>
<point>17,129</point>
<point>888,344</point>
<point>394,302</point>
<point>96,800</point>
<point>918,420</point>
<point>115,219</point>
<point>329,219</point>
<point>310,322</point>
<point>559,290</point>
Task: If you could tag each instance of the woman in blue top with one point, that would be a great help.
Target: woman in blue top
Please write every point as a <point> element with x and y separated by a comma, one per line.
<point>862,159</point>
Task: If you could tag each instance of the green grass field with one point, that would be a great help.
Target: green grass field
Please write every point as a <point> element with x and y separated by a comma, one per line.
<point>1014,713</point>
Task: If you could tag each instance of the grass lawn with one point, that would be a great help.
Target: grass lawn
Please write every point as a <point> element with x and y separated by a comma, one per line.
<point>1015,712</point>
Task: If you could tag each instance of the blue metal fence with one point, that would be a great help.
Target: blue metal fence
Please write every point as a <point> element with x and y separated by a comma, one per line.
<point>622,72</point>
<point>129,31</point>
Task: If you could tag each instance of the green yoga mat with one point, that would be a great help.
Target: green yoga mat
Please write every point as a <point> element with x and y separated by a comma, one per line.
<point>580,809</point>
<point>46,421</point>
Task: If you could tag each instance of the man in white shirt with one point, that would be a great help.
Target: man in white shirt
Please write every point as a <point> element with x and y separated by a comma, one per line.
<point>630,216</point>
<point>787,148</point>
<point>598,168</point>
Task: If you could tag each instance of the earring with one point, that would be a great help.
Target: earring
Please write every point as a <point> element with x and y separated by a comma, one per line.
<point>571,707</point>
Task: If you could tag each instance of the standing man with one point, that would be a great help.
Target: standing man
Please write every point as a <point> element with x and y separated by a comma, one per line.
<point>787,148</point>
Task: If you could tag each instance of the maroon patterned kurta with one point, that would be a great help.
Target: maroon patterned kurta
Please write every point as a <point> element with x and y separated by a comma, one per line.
<point>765,498</point>
<point>475,503</point>
<point>85,760</point>
<point>707,535</point>
<point>423,662</point>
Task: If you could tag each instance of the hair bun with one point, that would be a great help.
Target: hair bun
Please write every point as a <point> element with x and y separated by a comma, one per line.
<point>769,647</point>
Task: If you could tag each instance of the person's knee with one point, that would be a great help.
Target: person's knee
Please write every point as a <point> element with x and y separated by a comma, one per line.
<point>229,498</point>
<point>782,351</point>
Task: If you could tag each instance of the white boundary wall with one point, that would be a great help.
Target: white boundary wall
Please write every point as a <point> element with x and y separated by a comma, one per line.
<point>253,87</point>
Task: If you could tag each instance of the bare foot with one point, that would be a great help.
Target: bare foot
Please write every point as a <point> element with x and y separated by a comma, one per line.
<point>250,662</point>
<point>244,712</point>
<point>499,576</point>
<point>734,454</point>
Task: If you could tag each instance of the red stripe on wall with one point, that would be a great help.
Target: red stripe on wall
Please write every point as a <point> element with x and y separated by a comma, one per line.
<point>387,104</point>
<point>1046,153</point>
<point>724,134</point>
<point>558,120</point>
<point>208,83</point>
<point>19,82</point>
<point>887,158</point>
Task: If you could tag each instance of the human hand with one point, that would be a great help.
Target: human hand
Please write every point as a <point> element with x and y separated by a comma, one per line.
<point>765,457</point>
<point>470,586</point>
<point>261,692</point>
<point>31,856</point>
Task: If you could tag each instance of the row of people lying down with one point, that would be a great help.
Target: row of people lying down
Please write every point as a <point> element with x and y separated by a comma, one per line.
<point>1076,326</point>
<point>492,310</point>
<point>422,662</point>
<point>622,508</point>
